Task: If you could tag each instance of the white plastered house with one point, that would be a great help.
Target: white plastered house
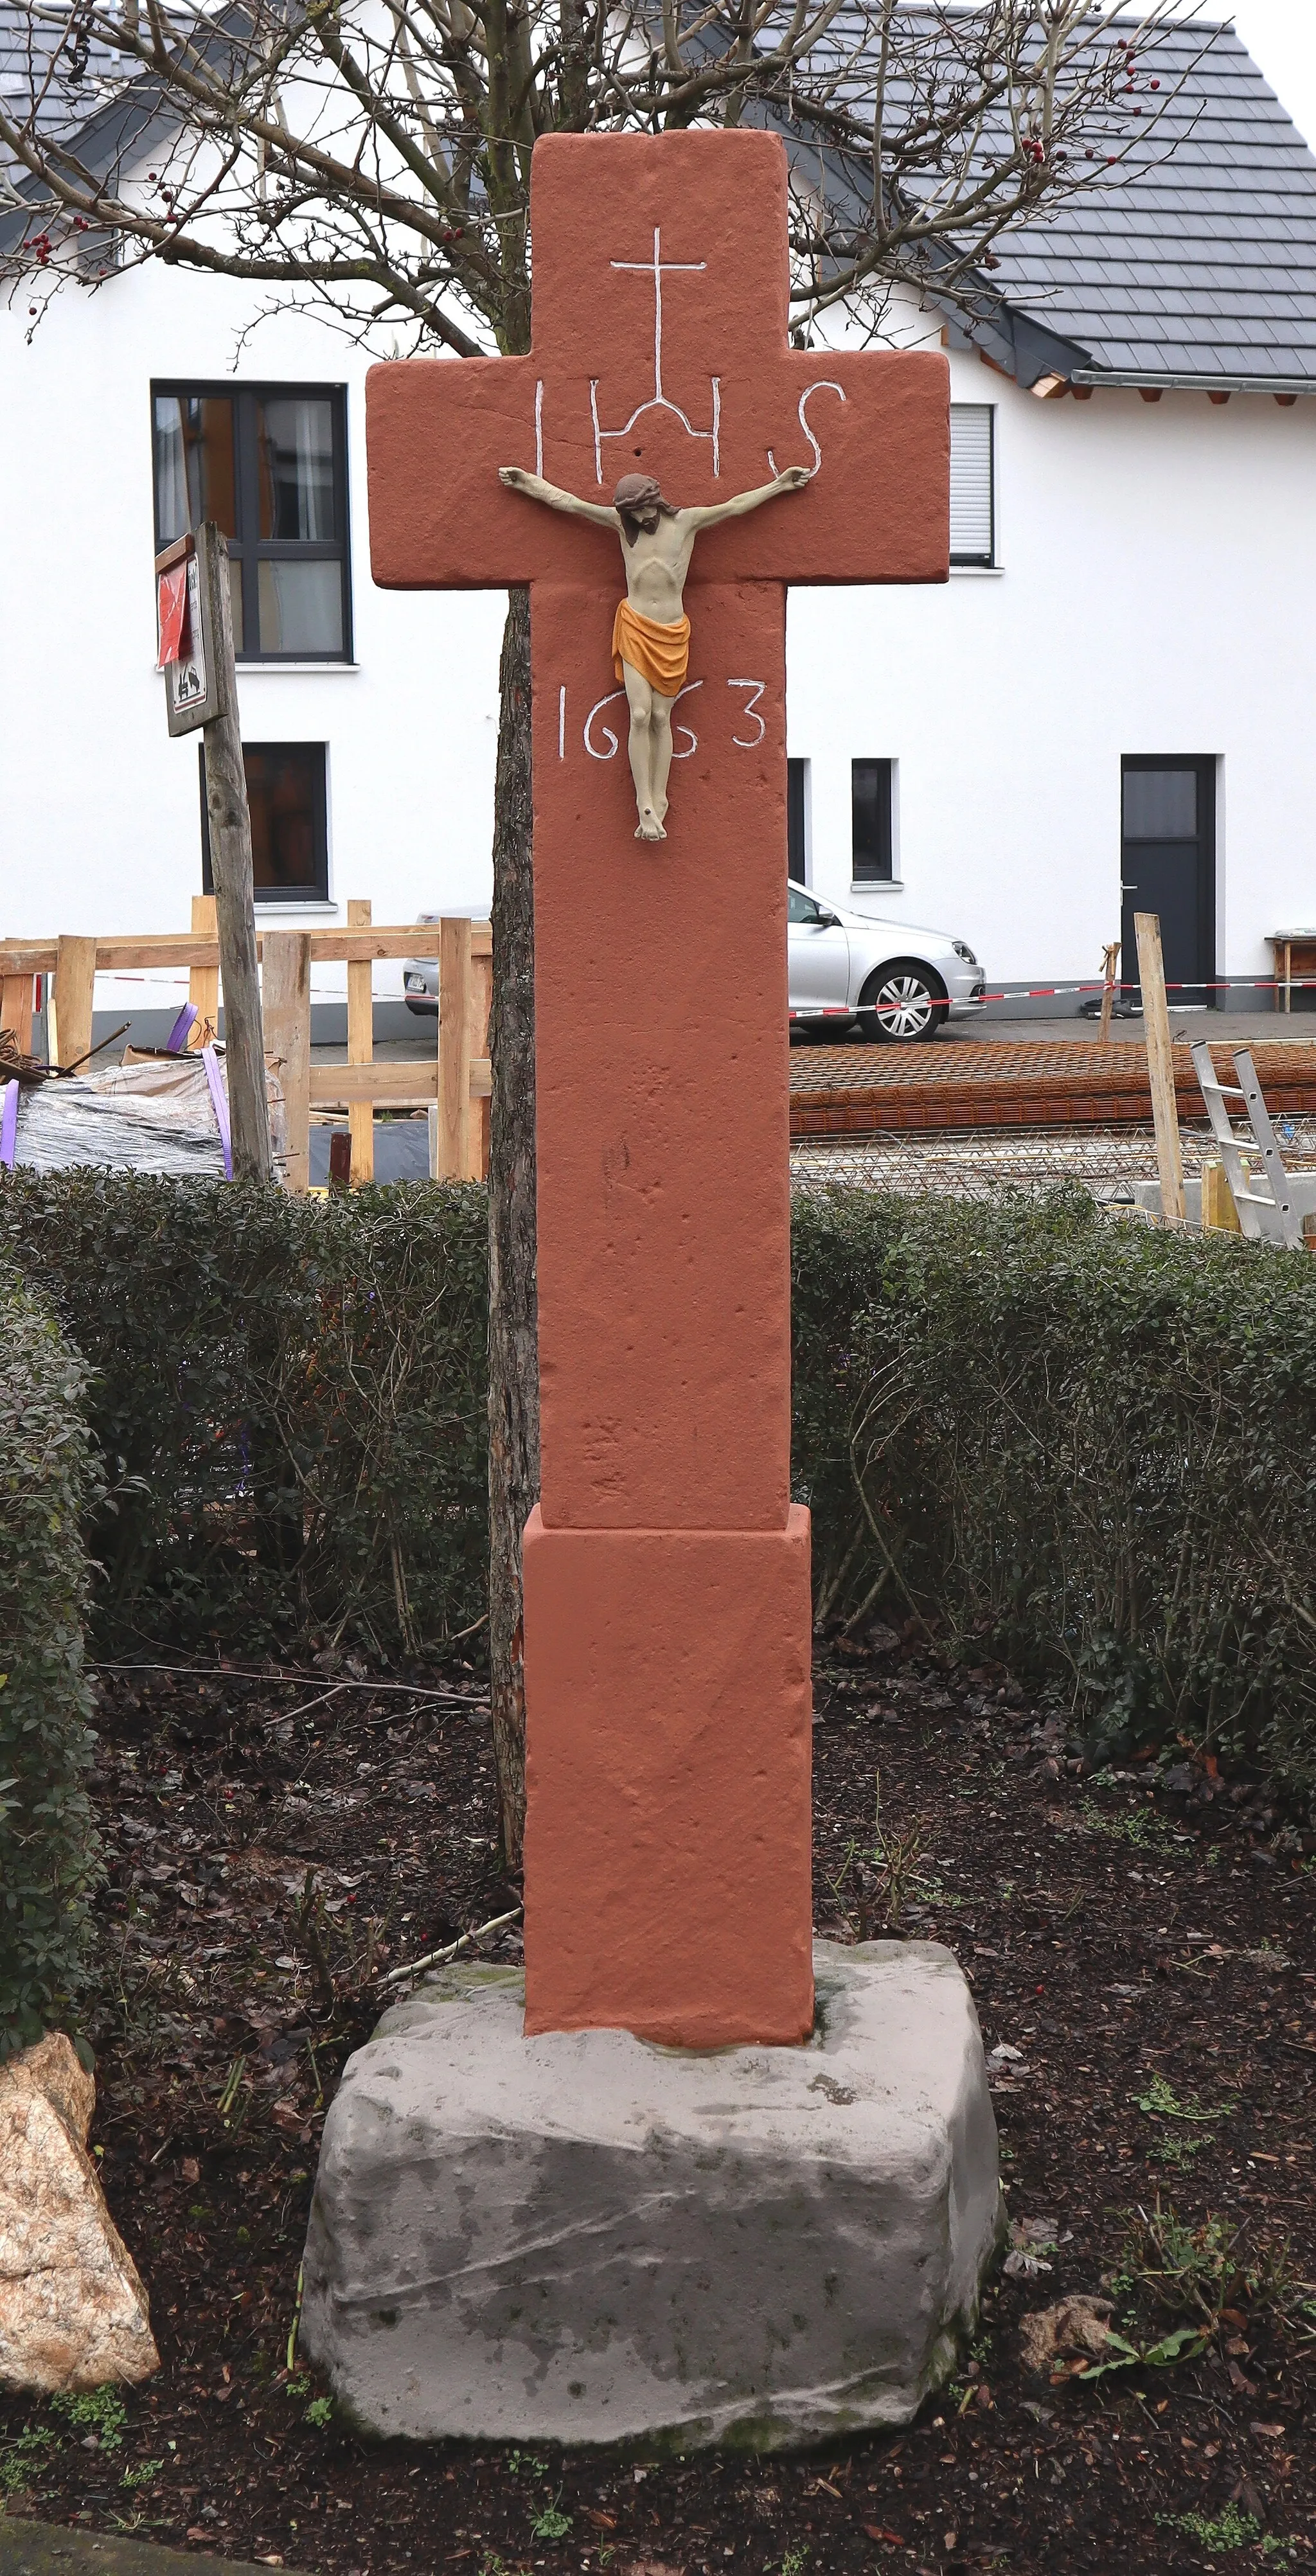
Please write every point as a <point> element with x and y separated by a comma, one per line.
<point>1110,702</point>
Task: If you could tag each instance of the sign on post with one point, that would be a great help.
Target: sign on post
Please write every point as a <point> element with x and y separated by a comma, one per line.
<point>188,656</point>
<point>194,610</point>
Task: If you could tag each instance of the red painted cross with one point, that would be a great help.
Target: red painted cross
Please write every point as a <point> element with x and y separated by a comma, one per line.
<point>667,1605</point>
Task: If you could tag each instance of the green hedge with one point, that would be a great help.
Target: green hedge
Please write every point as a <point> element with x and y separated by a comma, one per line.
<point>1090,1443</point>
<point>48,1481</point>
<point>289,1396</point>
<point>1086,1443</point>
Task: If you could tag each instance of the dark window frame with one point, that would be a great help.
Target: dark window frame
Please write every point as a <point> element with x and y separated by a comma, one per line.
<point>875,866</point>
<point>1206,764</point>
<point>797,821</point>
<point>249,548</point>
<point>313,893</point>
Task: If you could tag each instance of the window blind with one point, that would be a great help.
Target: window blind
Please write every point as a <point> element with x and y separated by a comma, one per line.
<point>972,510</point>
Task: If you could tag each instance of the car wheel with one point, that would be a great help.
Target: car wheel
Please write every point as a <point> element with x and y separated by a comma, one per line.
<point>903,1003</point>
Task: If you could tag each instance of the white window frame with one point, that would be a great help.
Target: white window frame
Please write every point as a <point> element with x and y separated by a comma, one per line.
<point>977,423</point>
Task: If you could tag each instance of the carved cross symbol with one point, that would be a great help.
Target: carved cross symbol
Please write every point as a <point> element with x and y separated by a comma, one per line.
<point>657,268</point>
<point>667,1614</point>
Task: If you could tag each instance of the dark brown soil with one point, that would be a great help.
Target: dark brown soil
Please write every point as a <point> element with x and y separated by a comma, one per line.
<point>1139,1946</point>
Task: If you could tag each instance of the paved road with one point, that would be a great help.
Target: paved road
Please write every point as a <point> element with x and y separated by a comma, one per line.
<point>1233,1028</point>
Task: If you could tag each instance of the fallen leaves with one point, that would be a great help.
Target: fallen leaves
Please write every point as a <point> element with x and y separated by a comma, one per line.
<point>1076,2325</point>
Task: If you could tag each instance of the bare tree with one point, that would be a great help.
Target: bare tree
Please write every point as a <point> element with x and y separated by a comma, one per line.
<point>372,158</point>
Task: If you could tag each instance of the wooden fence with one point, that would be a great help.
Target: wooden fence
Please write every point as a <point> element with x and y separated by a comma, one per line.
<point>452,1081</point>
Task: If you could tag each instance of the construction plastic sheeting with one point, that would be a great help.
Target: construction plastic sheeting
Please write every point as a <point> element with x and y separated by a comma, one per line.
<point>146,1117</point>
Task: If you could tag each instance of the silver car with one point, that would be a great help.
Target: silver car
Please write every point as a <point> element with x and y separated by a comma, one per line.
<point>899,981</point>
<point>420,978</point>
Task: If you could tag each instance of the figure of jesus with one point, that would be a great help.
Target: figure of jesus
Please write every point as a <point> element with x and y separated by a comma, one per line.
<point>651,632</point>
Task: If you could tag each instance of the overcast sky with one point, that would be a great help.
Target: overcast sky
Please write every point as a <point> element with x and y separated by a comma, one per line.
<point>1280,35</point>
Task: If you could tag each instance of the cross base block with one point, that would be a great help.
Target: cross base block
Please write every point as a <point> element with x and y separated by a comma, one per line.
<point>667,1851</point>
<point>582,2238</point>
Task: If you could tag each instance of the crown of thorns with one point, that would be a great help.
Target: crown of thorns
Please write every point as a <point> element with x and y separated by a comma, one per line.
<point>637,492</point>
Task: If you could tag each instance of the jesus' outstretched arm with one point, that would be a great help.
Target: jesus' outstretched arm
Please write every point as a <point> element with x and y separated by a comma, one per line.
<point>536,489</point>
<point>793,480</point>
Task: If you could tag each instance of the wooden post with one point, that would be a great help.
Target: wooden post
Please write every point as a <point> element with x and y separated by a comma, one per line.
<point>71,1002</point>
<point>16,1009</point>
<point>454,1120</point>
<point>1108,987</point>
<point>1219,1214</point>
<point>1160,1065</point>
<point>481,999</point>
<point>286,963</point>
<point>235,913</point>
<point>361,1046</point>
<point>340,1159</point>
<point>203,981</point>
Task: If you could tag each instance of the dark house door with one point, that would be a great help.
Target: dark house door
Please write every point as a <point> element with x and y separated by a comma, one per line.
<point>1168,867</point>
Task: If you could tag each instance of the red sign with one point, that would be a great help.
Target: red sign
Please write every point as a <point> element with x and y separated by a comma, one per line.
<point>174,620</point>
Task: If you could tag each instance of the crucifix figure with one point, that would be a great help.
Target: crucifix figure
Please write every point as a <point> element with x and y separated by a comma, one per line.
<point>667,1605</point>
<point>651,632</point>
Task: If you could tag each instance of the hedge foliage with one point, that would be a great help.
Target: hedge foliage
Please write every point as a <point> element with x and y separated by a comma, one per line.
<point>289,1396</point>
<point>48,1481</point>
<point>1091,1443</point>
<point>1086,1443</point>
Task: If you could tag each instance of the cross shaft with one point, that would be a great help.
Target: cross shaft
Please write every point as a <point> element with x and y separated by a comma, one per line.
<point>667,1616</point>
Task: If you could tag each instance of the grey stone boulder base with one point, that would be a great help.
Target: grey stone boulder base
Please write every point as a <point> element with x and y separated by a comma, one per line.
<point>585,2238</point>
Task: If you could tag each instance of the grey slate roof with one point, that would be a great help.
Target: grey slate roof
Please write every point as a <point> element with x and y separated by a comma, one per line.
<point>35,68</point>
<point>106,121</point>
<point>1195,261</point>
<point>1198,261</point>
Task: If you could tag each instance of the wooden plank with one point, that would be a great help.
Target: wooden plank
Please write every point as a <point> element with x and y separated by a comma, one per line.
<point>1108,987</point>
<point>16,1009</point>
<point>286,978</point>
<point>129,955</point>
<point>361,1045</point>
<point>1160,1065</point>
<point>1219,1214</point>
<point>454,1148</point>
<point>203,981</point>
<point>339,1086</point>
<point>481,1004</point>
<point>72,1000</point>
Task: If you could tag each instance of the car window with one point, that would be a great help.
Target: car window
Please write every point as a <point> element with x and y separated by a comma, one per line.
<point>802,905</point>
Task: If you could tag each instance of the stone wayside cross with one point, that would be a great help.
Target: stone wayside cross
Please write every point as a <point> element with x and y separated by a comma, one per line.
<point>667,1605</point>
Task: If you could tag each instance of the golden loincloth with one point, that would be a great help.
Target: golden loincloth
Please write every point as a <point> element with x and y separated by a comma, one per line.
<point>661,654</point>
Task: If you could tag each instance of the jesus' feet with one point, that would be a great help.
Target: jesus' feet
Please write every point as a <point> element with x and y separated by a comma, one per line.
<point>649,828</point>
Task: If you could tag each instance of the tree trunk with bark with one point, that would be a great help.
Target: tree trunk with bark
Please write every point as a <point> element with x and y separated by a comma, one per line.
<point>513,1303</point>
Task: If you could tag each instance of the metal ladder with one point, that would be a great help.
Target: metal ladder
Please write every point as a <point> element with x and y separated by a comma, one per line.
<point>1248,1090</point>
